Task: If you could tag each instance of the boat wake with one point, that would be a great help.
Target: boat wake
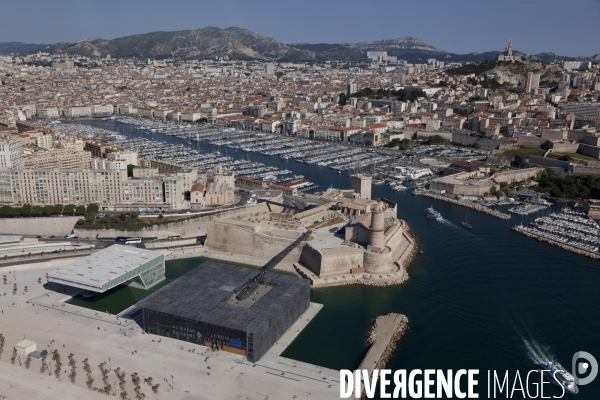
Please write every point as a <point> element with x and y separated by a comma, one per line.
<point>456,227</point>
<point>537,353</point>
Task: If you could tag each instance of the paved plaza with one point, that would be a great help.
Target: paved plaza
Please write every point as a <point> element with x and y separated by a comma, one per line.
<point>183,370</point>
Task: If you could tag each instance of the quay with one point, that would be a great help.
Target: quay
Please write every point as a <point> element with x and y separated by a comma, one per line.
<point>384,337</point>
<point>472,206</point>
<point>573,249</point>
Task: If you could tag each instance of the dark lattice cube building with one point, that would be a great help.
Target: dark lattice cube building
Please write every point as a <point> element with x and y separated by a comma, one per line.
<point>201,307</point>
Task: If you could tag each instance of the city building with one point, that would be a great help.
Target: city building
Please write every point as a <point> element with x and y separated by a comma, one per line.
<point>351,88</point>
<point>68,158</point>
<point>201,308</point>
<point>11,153</point>
<point>110,189</point>
<point>580,109</point>
<point>216,193</point>
<point>591,208</point>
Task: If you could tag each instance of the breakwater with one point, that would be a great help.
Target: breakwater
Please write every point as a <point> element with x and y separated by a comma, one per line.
<point>563,246</point>
<point>384,337</point>
<point>472,206</point>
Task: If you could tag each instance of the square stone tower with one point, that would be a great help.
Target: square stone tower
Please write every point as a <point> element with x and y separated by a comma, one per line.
<point>361,184</point>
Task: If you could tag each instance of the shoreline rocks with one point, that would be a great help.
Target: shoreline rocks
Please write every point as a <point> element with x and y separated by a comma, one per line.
<point>393,344</point>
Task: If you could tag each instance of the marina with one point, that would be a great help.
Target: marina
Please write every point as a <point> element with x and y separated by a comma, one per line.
<point>202,145</point>
<point>449,285</point>
<point>567,227</point>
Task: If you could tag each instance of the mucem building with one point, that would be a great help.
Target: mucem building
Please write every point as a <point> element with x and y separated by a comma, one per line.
<point>113,266</point>
<point>201,307</point>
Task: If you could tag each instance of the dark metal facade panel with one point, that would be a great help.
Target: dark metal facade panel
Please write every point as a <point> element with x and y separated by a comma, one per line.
<point>198,301</point>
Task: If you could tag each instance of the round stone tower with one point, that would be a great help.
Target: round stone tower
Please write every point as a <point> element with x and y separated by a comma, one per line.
<point>376,242</point>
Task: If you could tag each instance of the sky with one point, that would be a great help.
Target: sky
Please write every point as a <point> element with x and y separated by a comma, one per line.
<point>564,27</point>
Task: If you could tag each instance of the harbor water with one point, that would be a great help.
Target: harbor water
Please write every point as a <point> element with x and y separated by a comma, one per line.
<point>487,298</point>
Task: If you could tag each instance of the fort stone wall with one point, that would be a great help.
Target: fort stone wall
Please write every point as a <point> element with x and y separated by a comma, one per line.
<point>232,238</point>
<point>38,226</point>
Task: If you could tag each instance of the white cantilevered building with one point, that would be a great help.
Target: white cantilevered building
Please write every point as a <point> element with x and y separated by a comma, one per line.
<point>111,267</point>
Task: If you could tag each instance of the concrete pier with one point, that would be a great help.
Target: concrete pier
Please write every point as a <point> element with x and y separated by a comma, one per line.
<point>470,205</point>
<point>384,336</point>
<point>563,246</point>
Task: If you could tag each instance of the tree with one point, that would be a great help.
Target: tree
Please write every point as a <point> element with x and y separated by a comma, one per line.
<point>1,344</point>
<point>36,211</point>
<point>48,210</point>
<point>6,211</point>
<point>80,210</point>
<point>566,157</point>
<point>436,139</point>
<point>130,168</point>
<point>25,210</point>
<point>58,209</point>
<point>134,215</point>
<point>93,208</point>
<point>405,144</point>
<point>90,217</point>
<point>160,217</point>
<point>460,111</point>
<point>493,190</point>
<point>69,209</point>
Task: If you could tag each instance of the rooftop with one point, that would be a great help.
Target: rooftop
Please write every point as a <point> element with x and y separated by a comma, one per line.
<point>96,271</point>
<point>203,294</point>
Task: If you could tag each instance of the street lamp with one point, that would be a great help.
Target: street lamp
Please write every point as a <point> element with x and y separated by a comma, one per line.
<point>171,381</point>
<point>110,364</point>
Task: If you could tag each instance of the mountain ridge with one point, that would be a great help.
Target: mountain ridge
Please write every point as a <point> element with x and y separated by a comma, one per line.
<point>240,43</point>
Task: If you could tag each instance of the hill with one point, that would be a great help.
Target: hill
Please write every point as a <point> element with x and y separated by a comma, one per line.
<point>19,47</point>
<point>239,43</point>
<point>207,42</point>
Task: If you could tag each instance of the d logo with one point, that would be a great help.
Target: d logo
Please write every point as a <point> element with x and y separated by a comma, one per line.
<point>583,367</point>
